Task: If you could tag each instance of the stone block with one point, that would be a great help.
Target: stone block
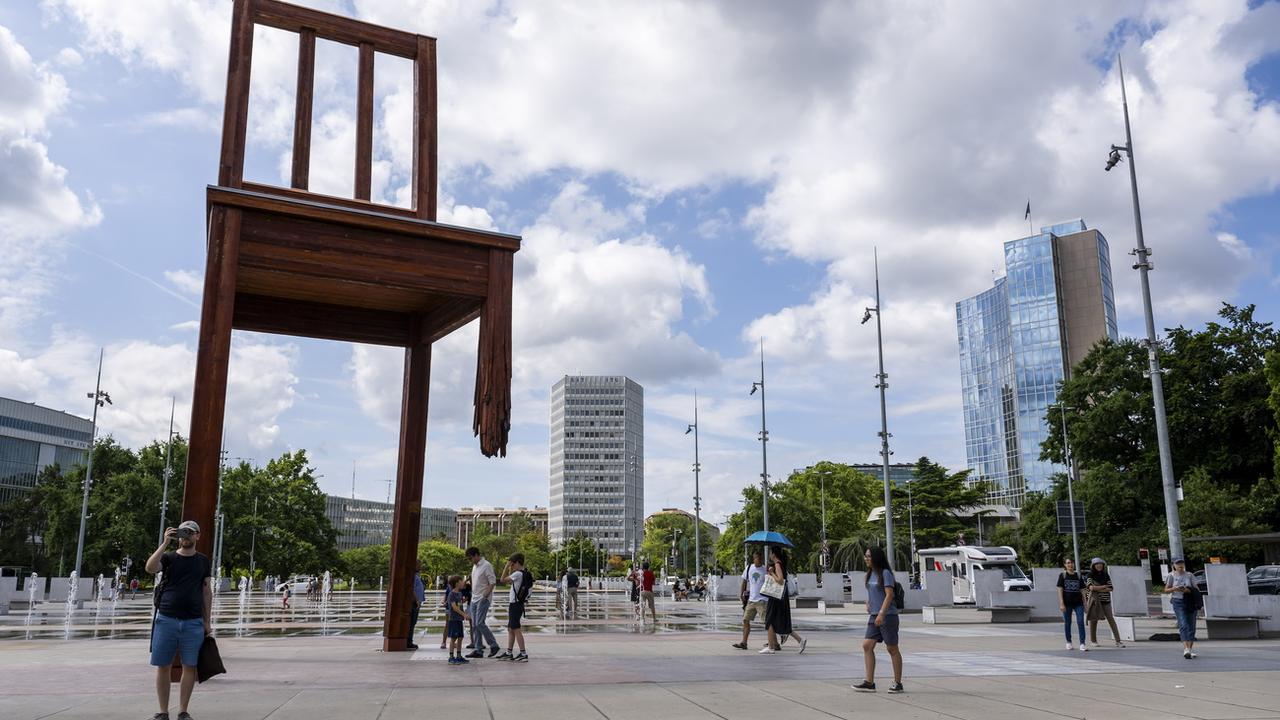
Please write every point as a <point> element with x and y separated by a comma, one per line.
<point>1227,579</point>
<point>986,582</point>
<point>937,590</point>
<point>1130,595</point>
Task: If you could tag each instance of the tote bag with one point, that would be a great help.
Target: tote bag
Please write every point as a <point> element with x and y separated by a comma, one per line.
<point>772,588</point>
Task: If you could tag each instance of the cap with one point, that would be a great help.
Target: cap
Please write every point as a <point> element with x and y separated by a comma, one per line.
<point>190,526</point>
<point>1179,560</point>
<point>1095,561</point>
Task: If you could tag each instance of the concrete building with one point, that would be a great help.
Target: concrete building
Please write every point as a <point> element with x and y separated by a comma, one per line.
<point>899,473</point>
<point>34,437</point>
<point>597,461</point>
<point>1019,340</point>
<point>497,520</point>
<point>361,523</point>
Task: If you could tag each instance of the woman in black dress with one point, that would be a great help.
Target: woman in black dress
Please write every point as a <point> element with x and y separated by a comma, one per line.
<point>777,617</point>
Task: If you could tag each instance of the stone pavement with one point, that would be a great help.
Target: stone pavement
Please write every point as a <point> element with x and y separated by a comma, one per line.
<point>966,671</point>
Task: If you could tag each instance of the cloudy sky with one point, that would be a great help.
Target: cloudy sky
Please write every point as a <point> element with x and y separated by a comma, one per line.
<point>687,177</point>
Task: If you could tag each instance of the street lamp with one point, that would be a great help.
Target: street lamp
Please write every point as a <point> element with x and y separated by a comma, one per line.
<point>697,499</point>
<point>822,499</point>
<point>99,398</point>
<point>911,525</point>
<point>1071,498</point>
<point>882,382</point>
<point>764,445</point>
<point>168,456</point>
<point>1143,266</point>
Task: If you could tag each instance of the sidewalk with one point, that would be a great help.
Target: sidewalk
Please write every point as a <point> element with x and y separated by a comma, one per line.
<point>975,671</point>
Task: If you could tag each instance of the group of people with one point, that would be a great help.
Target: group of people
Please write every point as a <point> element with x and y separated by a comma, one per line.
<point>468,600</point>
<point>1088,596</point>
<point>684,588</point>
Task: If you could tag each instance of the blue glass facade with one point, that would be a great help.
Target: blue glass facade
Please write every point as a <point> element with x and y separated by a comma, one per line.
<point>1015,350</point>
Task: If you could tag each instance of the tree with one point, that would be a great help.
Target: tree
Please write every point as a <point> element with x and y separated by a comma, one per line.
<point>938,499</point>
<point>367,564</point>
<point>440,558</point>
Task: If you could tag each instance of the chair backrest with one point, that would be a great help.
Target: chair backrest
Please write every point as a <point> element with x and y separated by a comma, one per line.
<point>369,39</point>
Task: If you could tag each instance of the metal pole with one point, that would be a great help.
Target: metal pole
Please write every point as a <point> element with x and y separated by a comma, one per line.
<point>1143,265</point>
<point>253,541</point>
<point>88,470</point>
<point>764,447</point>
<point>217,513</point>
<point>697,495</point>
<point>823,500</point>
<point>911,524</point>
<point>882,382</point>
<point>1071,498</point>
<point>168,454</point>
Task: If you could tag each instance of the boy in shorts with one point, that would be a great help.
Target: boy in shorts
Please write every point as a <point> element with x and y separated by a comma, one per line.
<point>453,626</point>
<point>521,583</point>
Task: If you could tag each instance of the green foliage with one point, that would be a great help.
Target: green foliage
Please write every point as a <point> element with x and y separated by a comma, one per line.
<point>437,558</point>
<point>937,497</point>
<point>367,564</point>
<point>661,530</point>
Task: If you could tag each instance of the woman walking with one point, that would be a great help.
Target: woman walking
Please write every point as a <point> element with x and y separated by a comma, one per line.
<point>1071,601</point>
<point>1099,604</point>
<point>882,623</point>
<point>777,615</point>
<point>1182,585</point>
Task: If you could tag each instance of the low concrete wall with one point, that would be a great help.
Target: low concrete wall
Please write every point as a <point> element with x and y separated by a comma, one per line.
<point>40,583</point>
<point>937,591</point>
<point>986,582</point>
<point>1264,606</point>
<point>1228,579</point>
<point>8,586</point>
<point>1130,595</point>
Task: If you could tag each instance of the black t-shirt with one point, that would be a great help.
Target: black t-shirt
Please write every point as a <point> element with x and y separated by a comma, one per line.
<point>183,594</point>
<point>571,580</point>
<point>1072,589</point>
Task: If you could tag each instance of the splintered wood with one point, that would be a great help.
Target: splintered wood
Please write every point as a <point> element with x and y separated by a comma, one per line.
<point>493,360</point>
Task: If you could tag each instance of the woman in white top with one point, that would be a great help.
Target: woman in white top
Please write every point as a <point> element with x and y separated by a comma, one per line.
<point>1182,585</point>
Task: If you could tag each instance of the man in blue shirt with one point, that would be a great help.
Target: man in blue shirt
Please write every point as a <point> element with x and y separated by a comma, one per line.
<point>419,596</point>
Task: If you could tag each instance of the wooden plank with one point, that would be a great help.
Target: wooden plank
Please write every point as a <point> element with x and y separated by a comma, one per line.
<point>409,471</point>
<point>371,219</point>
<point>302,109</point>
<point>425,142</point>
<point>335,27</point>
<point>282,316</point>
<point>235,114</point>
<point>213,357</point>
<point>364,124</point>
<point>259,281</point>
<point>327,278</point>
<point>309,196</point>
<point>452,315</point>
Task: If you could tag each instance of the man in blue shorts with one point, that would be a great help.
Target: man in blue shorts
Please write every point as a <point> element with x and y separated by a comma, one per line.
<point>183,605</point>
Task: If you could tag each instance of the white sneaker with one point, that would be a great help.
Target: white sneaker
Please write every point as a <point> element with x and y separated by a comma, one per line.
<point>1193,656</point>
<point>766,650</point>
<point>1070,646</point>
<point>1186,654</point>
<point>1084,648</point>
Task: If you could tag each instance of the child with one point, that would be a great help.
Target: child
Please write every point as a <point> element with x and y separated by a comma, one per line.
<point>466,603</point>
<point>453,627</point>
<point>635,596</point>
<point>521,583</point>
<point>284,596</point>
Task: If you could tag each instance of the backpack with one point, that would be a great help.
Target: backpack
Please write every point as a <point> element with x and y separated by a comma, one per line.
<point>899,596</point>
<point>526,585</point>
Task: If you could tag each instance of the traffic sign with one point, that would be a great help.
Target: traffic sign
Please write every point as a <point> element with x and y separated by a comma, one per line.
<point>1064,517</point>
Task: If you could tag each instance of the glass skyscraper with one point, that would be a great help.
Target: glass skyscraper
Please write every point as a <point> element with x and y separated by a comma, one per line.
<point>1019,340</point>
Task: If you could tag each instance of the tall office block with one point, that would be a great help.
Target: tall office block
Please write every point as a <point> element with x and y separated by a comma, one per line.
<point>1019,340</point>
<point>597,461</point>
<point>34,437</point>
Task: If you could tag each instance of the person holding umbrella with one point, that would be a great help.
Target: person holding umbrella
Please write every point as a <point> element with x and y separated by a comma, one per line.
<point>777,617</point>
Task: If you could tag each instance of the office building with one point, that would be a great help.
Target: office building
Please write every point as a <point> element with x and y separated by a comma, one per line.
<point>597,461</point>
<point>34,437</point>
<point>497,520</point>
<point>361,523</point>
<point>899,473</point>
<point>1019,340</point>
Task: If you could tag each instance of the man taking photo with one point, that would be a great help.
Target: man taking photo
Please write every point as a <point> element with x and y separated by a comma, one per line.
<point>183,605</point>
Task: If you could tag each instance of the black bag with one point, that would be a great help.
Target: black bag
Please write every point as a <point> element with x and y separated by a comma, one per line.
<point>210,662</point>
<point>899,596</point>
<point>526,585</point>
<point>1193,600</point>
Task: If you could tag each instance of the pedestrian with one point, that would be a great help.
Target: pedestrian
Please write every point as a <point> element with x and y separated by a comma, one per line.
<point>521,584</point>
<point>466,596</point>
<point>1186,604</point>
<point>753,603</point>
<point>457,610</point>
<point>1071,601</point>
<point>419,596</point>
<point>1098,604</point>
<point>777,616</point>
<point>133,589</point>
<point>646,592</point>
<point>483,581</point>
<point>882,623</point>
<point>444,605</point>
<point>571,584</point>
<point>636,611</point>
<point>285,593</point>
<point>182,619</point>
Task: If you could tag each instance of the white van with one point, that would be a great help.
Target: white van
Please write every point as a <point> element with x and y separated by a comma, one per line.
<point>961,561</point>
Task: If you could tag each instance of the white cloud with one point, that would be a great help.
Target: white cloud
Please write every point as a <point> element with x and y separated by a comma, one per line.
<point>188,281</point>
<point>1235,246</point>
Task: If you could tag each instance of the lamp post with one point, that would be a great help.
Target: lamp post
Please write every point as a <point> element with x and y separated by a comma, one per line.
<point>911,524</point>
<point>1071,497</point>
<point>822,499</point>
<point>882,382</point>
<point>253,540</point>
<point>168,455</point>
<point>697,496</point>
<point>100,398</point>
<point>1143,265</point>
<point>764,447</point>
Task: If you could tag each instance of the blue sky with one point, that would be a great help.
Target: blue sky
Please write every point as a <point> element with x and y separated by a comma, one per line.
<point>687,179</point>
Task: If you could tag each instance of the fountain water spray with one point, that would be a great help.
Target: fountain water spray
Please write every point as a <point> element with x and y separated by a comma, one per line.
<point>244,597</point>
<point>99,598</point>
<point>31,601</point>
<point>73,585</point>
<point>326,586</point>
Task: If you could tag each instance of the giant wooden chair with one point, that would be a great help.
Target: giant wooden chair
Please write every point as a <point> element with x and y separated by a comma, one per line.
<point>292,262</point>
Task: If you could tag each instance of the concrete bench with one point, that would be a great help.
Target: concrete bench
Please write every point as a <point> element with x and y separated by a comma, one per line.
<point>1125,624</point>
<point>807,602</point>
<point>1011,613</point>
<point>931,615</point>
<point>1234,627</point>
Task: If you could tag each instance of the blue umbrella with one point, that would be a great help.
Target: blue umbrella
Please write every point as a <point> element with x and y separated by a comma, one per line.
<point>768,538</point>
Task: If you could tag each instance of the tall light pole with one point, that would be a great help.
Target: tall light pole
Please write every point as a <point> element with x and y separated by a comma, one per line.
<point>882,382</point>
<point>168,456</point>
<point>911,525</point>
<point>253,540</point>
<point>697,495</point>
<point>822,499</point>
<point>1071,497</point>
<point>1143,265</point>
<point>100,398</point>
<point>764,446</point>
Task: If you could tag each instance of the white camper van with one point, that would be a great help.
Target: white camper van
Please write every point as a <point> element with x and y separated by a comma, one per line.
<point>961,561</point>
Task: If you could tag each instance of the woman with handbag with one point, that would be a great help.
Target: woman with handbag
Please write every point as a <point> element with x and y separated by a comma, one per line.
<point>1182,585</point>
<point>1098,605</point>
<point>777,617</point>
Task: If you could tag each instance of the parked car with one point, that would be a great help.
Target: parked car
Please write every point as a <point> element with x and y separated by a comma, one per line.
<point>1264,580</point>
<point>1201,583</point>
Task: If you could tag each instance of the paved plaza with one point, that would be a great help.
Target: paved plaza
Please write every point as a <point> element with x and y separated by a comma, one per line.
<point>684,667</point>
